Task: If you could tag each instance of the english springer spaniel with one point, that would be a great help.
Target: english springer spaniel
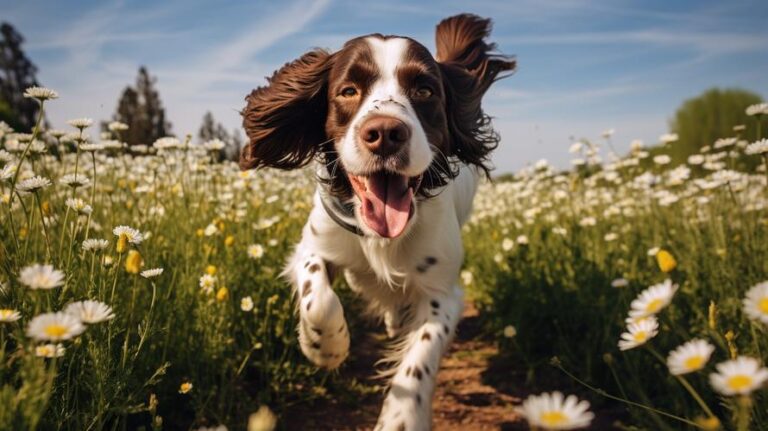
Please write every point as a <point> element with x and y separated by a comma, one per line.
<point>400,142</point>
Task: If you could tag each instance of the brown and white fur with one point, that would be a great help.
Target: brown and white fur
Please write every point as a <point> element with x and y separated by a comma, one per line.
<point>400,137</point>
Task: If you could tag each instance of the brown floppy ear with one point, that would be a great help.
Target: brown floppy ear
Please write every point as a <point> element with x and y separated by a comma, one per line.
<point>469,66</point>
<point>285,120</point>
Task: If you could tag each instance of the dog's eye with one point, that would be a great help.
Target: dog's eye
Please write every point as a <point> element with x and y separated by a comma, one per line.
<point>349,92</point>
<point>423,93</point>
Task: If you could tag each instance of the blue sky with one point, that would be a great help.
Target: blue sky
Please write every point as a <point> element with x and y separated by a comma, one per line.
<point>584,65</point>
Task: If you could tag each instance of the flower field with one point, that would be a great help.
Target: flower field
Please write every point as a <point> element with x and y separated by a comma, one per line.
<point>140,285</point>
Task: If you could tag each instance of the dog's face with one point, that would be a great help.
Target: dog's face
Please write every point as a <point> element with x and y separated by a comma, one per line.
<point>385,116</point>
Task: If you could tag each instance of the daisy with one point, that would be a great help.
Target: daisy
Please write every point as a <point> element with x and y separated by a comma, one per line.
<point>93,244</point>
<point>522,240</point>
<point>653,299</point>
<point>466,277</point>
<point>117,126</point>
<point>54,327</point>
<point>756,302</point>
<point>551,411</point>
<point>167,143</point>
<point>7,172</point>
<point>668,137</point>
<point>758,147</point>
<point>738,376</point>
<point>207,283</point>
<point>33,184</point>
<point>74,180</point>
<point>81,123</point>
<point>78,205</point>
<point>92,148</point>
<point>9,316</point>
<point>689,357</point>
<point>56,133</point>
<point>40,93</point>
<point>151,273</point>
<point>41,277</point>
<point>255,251</point>
<point>50,350</point>
<point>507,244</point>
<point>127,233</point>
<point>619,283</point>
<point>214,145</point>
<point>638,333</point>
<point>662,159</point>
<point>246,304</point>
<point>757,109</point>
<point>90,311</point>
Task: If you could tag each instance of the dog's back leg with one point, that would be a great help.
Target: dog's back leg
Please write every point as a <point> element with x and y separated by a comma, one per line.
<point>323,332</point>
<point>427,334</point>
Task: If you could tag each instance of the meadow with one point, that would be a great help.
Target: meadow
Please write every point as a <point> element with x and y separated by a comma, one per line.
<point>140,286</point>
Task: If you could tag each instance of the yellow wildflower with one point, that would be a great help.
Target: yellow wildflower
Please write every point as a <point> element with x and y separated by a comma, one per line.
<point>666,261</point>
<point>46,208</point>
<point>729,337</point>
<point>199,232</point>
<point>712,315</point>
<point>122,243</point>
<point>210,269</point>
<point>222,294</point>
<point>229,240</point>
<point>185,387</point>
<point>133,262</point>
<point>708,423</point>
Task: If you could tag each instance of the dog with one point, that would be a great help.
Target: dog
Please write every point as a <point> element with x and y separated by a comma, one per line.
<point>400,142</point>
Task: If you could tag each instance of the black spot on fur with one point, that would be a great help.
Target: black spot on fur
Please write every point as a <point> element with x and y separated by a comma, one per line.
<point>314,268</point>
<point>427,370</point>
<point>418,399</point>
<point>445,328</point>
<point>407,371</point>
<point>318,331</point>
<point>316,346</point>
<point>417,373</point>
<point>434,312</point>
<point>307,288</point>
<point>430,260</point>
<point>422,268</point>
<point>426,336</point>
<point>306,264</point>
<point>309,304</point>
<point>434,304</point>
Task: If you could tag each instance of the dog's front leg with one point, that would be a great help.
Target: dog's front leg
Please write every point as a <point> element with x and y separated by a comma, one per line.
<point>323,332</point>
<point>428,332</point>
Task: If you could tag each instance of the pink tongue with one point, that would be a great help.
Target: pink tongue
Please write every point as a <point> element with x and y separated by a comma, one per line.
<point>387,204</point>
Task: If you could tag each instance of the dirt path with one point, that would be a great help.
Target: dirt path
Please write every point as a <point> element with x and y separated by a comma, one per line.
<point>463,401</point>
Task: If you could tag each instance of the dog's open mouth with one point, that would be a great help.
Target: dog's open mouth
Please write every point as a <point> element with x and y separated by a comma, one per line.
<point>387,201</point>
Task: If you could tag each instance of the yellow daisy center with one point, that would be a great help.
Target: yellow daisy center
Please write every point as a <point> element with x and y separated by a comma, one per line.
<point>553,418</point>
<point>55,330</point>
<point>739,382</point>
<point>640,336</point>
<point>654,305</point>
<point>762,305</point>
<point>694,362</point>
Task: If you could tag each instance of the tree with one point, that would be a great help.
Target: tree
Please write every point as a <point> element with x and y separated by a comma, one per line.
<point>702,120</point>
<point>17,73</point>
<point>141,109</point>
<point>210,129</point>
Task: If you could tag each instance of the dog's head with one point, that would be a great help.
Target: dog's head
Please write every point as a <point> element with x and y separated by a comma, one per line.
<point>386,118</point>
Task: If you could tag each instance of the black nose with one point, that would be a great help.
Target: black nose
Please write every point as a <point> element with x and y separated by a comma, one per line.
<point>384,136</point>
